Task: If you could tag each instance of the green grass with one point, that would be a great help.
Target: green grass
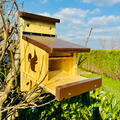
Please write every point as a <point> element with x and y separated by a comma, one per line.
<point>109,84</point>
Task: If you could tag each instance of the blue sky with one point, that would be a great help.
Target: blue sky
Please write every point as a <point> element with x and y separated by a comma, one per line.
<point>78,16</point>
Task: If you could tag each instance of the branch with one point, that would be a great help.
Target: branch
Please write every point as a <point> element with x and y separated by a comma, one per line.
<point>88,36</point>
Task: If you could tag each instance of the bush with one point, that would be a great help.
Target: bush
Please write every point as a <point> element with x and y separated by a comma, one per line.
<point>101,107</point>
<point>106,62</point>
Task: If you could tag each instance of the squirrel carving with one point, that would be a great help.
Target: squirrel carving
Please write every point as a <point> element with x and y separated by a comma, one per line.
<point>33,61</point>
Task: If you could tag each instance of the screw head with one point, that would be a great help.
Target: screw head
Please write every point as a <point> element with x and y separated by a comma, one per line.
<point>69,93</point>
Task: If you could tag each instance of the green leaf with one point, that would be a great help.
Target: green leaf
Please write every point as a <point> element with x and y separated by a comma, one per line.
<point>54,119</point>
<point>64,106</point>
<point>113,102</point>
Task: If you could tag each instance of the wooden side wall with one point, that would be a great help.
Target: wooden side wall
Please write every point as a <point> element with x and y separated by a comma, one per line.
<point>34,68</point>
<point>39,57</point>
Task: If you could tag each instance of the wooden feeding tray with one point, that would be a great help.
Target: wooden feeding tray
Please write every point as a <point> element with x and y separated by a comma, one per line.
<point>64,86</point>
<point>42,52</point>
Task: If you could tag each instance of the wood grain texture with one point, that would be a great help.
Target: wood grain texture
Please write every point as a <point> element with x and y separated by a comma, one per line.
<point>40,68</point>
<point>67,64</point>
<point>38,27</point>
<point>58,78</point>
<point>77,88</point>
<point>52,45</point>
<point>32,16</point>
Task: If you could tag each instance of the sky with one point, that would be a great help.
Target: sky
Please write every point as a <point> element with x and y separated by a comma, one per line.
<point>78,16</point>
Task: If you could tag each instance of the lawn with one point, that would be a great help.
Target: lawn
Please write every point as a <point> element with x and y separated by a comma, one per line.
<point>109,84</point>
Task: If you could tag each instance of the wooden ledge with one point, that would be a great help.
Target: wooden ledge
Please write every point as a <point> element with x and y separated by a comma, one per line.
<point>77,88</point>
<point>64,86</point>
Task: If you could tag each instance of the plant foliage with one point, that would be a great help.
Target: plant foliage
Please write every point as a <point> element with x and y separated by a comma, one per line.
<point>106,62</point>
<point>102,107</point>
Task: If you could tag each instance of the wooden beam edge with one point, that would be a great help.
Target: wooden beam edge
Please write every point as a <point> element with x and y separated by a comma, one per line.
<point>53,49</point>
<point>27,15</point>
<point>77,88</point>
<point>76,50</point>
<point>40,45</point>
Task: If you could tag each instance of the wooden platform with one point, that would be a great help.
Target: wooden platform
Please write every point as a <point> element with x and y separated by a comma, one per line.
<point>64,86</point>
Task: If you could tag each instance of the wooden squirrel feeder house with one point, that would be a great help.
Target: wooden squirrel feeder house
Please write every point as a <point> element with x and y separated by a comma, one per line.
<point>43,54</point>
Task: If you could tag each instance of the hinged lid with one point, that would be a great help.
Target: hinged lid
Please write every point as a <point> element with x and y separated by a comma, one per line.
<point>52,44</point>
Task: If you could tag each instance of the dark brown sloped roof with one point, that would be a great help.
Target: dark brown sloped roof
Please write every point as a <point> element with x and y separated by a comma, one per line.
<point>32,16</point>
<point>52,44</point>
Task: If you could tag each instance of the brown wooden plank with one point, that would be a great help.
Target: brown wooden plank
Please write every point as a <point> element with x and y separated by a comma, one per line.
<point>61,54</point>
<point>52,45</point>
<point>60,58</point>
<point>76,88</point>
<point>32,16</point>
<point>38,44</point>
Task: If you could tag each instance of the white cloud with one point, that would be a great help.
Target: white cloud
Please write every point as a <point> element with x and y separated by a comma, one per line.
<point>104,20</point>
<point>44,1</point>
<point>76,23</point>
<point>102,2</point>
<point>70,14</point>
<point>107,30</point>
<point>45,14</point>
<point>95,11</point>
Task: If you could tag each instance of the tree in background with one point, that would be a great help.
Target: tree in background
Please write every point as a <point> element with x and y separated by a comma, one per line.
<point>103,43</point>
<point>113,43</point>
<point>11,98</point>
<point>9,47</point>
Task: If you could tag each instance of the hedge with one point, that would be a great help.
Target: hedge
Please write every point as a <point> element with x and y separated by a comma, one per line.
<point>106,62</point>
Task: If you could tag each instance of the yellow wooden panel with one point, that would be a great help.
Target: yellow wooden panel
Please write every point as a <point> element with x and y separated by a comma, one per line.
<point>25,82</point>
<point>67,64</point>
<point>34,63</point>
<point>38,27</point>
<point>41,64</point>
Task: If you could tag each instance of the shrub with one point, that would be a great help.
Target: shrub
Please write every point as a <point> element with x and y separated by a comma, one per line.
<point>101,107</point>
<point>106,62</point>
